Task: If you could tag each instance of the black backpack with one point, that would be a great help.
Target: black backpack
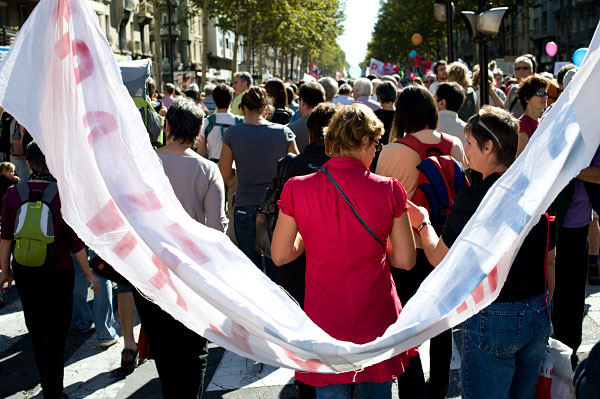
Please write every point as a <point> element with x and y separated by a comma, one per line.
<point>267,213</point>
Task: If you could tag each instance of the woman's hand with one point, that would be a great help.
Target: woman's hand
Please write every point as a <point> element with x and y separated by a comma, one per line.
<point>417,214</point>
<point>7,278</point>
<point>93,281</point>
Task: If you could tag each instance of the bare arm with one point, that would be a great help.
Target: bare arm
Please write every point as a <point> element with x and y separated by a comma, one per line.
<point>287,242</point>
<point>81,257</point>
<point>402,253</point>
<point>7,276</point>
<point>293,148</point>
<point>201,146</point>
<point>226,163</point>
<point>495,97</point>
<point>590,174</point>
<point>522,143</point>
<point>434,246</point>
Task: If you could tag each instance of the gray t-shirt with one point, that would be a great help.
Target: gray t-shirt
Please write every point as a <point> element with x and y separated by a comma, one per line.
<point>199,187</point>
<point>256,150</point>
<point>301,131</point>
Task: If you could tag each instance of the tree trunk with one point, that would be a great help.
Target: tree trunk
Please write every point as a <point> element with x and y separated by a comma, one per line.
<point>526,23</point>
<point>235,46</point>
<point>260,55</point>
<point>248,46</point>
<point>157,50</point>
<point>282,64</point>
<point>204,43</point>
<point>292,65</point>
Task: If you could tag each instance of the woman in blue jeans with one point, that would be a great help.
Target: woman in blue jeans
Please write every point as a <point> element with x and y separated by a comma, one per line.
<point>255,146</point>
<point>504,343</point>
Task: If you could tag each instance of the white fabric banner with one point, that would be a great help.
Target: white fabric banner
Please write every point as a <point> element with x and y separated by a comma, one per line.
<point>61,81</point>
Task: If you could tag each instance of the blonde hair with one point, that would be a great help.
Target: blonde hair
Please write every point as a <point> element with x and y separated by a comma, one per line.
<point>4,166</point>
<point>347,128</point>
<point>459,73</point>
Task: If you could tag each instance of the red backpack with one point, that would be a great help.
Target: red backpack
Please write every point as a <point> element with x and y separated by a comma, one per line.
<point>441,177</point>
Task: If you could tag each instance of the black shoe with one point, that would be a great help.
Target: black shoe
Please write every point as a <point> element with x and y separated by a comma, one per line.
<point>574,361</point>
<point>129,358</point>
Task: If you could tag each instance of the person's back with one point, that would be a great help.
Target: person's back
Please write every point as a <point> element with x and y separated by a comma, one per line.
<point>215,125</point>
<point>256,150</point>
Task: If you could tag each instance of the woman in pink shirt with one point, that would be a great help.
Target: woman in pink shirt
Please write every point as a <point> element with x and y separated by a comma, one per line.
<point>533,95</point>
<point>350,293</point>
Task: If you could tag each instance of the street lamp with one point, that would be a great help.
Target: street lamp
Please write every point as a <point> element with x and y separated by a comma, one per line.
<point>482,25</point>
<point>441,13</point>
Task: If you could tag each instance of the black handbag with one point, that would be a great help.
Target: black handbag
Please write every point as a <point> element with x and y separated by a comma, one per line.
<point>103,269</point>
<point>266,216</point>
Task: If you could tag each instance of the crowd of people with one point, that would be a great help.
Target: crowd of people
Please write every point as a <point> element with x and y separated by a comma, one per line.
<point>353,239</point>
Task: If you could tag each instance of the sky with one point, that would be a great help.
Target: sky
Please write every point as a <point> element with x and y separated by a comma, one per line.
<point>361,16</point>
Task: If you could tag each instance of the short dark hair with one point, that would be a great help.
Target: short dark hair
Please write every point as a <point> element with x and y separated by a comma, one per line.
<point>560,76</point>
<point>312,94</point>
<point>386,91</point>
<point>437,64</point>
<point>170,88</point>
<point>529,86</point>
<point>185,119</point>
<point>36,159</point>
<point>244,77</point>
<point>222,95</point>
<point>453,93</point>
<point>276,90</point>
<point>415,110</point>
<point>345,90</point>
<point>192,94</point>
<point>505,128</point>
<point>290,94</point>
<point>318,119</point>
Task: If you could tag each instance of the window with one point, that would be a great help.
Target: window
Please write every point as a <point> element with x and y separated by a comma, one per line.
<point>107,25</point>
<point>227,43</point>
<point>23,14</point>
<point>3,13</point>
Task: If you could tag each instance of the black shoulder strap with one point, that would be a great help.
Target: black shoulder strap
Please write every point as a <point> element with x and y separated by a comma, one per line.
<point>49,193</point>
<point>324,169</point>
<point>23,189</point>
<point>513,103</point>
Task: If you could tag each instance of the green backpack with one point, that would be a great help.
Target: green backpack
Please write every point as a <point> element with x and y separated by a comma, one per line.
<point>33,243</point>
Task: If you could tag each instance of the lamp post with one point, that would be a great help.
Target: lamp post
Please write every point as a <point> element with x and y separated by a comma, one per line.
<point>444,11</point>
<point>482,25</point>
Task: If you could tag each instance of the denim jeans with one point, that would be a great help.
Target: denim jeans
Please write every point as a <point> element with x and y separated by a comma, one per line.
<point>21,168</point>
<point>102,311</point>
<point>368,390</point>
<point>502,349</point>
<point>244,223</point>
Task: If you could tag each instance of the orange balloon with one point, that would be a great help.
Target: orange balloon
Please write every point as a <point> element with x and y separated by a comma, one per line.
<point>416,39</point>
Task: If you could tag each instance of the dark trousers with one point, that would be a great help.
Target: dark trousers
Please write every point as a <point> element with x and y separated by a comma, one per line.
<point>179,353</point>
<point>47,300</point>
<point>411,383</point>
<point>440,350</point>
<point>571,278</point>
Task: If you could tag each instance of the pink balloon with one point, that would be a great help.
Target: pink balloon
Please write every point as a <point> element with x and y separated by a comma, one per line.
<point>551,49</point>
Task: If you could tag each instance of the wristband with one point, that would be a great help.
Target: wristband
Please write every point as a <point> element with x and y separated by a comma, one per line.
<point>422,225</point>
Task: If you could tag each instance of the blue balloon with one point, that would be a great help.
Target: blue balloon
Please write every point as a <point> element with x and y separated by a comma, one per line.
<point>579,55</point>
<point>412,54</point>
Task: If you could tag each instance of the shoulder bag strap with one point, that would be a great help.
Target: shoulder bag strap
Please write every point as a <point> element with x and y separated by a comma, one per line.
<point>324,169</point>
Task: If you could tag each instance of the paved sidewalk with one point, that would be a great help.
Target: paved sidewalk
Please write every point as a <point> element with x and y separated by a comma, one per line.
<point>93,372</point>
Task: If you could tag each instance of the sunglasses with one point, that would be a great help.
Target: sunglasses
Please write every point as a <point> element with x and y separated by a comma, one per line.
<point>428,81</point>
<point>526,68</point>
<point>378,145</point>
<point>541,93</point>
